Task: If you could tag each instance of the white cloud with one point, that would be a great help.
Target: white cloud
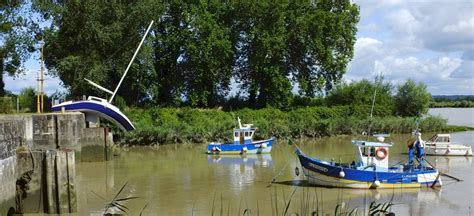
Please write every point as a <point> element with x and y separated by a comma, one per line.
<point>420,40</point>
<point>28,79</point>
<point>461,26</point>
<point>464,71</point>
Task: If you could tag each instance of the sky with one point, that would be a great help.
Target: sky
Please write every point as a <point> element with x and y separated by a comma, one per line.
<point>431,41</point>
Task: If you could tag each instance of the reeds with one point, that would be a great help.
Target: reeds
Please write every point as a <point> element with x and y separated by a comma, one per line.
<point>117,203</point>
<point>310,204</point>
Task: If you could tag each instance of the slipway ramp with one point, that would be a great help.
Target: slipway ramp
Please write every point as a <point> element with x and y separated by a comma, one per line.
<point>95,107</point>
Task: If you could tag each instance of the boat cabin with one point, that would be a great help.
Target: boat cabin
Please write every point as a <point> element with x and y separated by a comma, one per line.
<point>440,139</point>
<point>244,134</point>
<point>372,155</point>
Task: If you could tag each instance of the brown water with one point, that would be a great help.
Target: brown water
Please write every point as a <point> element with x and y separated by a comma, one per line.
<point>182,180</point>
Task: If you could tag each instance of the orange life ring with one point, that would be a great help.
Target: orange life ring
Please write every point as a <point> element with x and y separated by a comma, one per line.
<point>381,153</point>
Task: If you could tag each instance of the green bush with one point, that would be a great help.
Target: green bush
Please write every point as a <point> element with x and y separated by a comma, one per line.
<point>178,125</point>
<point>412,99</point>
<point>6,104</point>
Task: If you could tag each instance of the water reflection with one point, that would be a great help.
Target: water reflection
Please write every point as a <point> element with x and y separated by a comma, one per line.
<point>256,160</point>
<point>446,163</point>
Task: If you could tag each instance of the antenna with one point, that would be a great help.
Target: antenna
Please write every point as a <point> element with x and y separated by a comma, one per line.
<point>131,61</point>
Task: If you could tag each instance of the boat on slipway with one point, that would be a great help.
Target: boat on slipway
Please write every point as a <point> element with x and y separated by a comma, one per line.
<point>440,144</point>
<point>243,142</point>
<point>372,169</point>
<point>95,107</point>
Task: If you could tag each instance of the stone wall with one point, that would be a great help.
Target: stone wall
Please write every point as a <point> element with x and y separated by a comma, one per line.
<point>95,144</point>
<point>12,133</point>
<point>46,131</point>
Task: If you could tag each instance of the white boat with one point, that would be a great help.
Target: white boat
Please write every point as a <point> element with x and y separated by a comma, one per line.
<point>440,144</point>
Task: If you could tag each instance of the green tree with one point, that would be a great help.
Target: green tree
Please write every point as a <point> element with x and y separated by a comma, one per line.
<point>18,34</point>
<point>95,40</point>
<point>27,99</point>
<point>320,37</point>
<point>280,43</point>
<point>360,95</point>
<point>412,99</point>
<point>195,49</point>
<point>208,55</point>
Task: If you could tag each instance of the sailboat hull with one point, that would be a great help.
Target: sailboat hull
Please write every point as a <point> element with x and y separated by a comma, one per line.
<point>99,108</point>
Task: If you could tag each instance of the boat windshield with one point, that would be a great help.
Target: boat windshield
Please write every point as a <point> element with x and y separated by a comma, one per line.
<point>442,139</point>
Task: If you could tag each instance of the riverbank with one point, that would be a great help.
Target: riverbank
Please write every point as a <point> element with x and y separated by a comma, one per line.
<point>184,125</point>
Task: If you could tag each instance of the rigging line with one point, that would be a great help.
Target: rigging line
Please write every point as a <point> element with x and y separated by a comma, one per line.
<point>444,174</point>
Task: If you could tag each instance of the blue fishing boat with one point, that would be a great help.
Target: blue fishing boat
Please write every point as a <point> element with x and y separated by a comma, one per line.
<point>243,143</point>
<point>372,169</point>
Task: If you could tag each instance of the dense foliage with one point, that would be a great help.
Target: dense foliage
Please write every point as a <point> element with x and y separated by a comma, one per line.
<point>18,36</point>
<point>361,95</point>
<point>198,50</point>
<point>171,125</point>
<point>412,99</point>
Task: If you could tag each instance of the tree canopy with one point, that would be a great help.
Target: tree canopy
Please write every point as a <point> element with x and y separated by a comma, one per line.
<point>360,96</point>
<point>412,99</point>
<point>198,51</point>
<point>18,36</point>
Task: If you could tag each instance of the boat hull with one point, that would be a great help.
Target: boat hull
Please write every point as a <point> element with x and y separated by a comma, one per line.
<point>449,150</point>
<point>97,108</point>
<point>324,173</point>
<point>256,147</point>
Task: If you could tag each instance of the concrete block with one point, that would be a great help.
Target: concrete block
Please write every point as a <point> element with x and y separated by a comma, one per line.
<point>94,145</point>
<point>7,185</point>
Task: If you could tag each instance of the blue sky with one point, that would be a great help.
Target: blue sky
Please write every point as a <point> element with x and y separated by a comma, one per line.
<point>428,41</point>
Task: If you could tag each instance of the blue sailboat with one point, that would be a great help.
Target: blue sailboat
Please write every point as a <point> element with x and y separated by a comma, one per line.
<point>372,169</point>
<point>243,143</point>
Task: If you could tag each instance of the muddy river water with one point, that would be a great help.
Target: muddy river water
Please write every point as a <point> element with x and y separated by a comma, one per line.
<point>182,180</point>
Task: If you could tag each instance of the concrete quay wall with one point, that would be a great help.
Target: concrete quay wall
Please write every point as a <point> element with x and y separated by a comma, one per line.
<point>45,131</point>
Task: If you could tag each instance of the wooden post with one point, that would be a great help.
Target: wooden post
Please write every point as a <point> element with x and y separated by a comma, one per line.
<point>51,205</point>
<point>60,184</point>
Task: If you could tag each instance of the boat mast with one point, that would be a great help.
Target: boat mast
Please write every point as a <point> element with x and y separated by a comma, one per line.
<point>372,108</point>
<point>130,63</point>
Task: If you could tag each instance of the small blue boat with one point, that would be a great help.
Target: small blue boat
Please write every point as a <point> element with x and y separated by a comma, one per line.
<point>372,169</point>
<point>243,143</point>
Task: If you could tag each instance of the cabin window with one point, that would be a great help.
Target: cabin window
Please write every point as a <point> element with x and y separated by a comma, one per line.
<point>236,134</point>
<point>368,151</point>
<point>246,134</point>
<point>442,139</point>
